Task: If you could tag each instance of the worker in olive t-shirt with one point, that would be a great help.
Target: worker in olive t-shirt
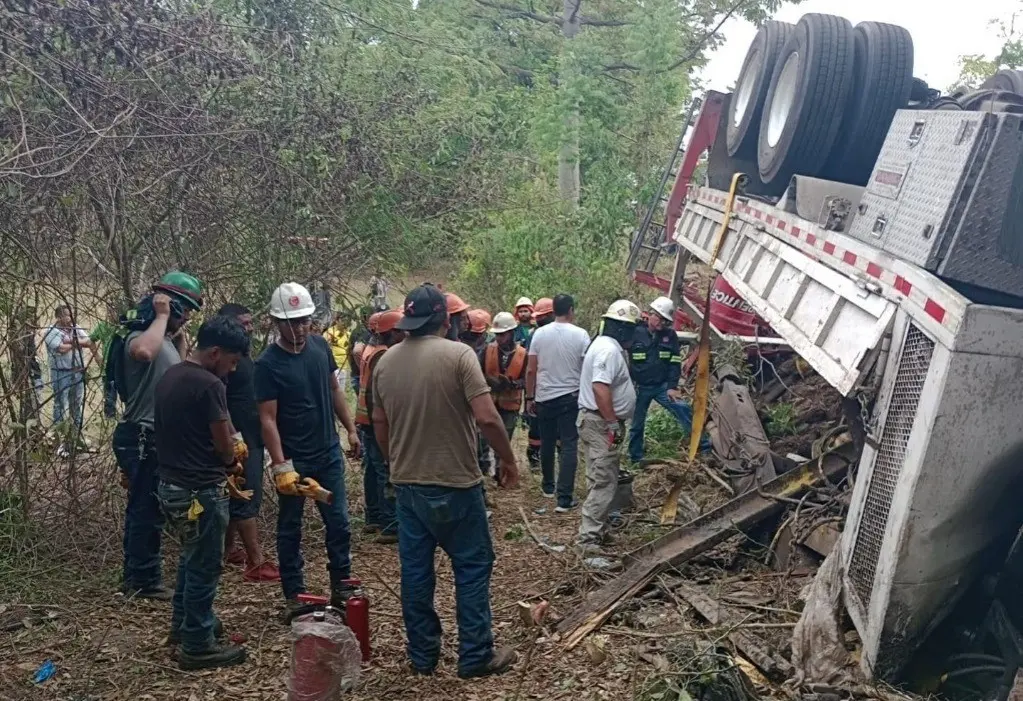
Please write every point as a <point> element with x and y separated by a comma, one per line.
<point>429,394</point>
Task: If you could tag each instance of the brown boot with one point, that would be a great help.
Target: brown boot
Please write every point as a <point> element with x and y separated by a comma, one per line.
<point>500,663</point>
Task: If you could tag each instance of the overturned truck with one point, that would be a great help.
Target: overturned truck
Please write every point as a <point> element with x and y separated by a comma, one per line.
<point>879,235</point>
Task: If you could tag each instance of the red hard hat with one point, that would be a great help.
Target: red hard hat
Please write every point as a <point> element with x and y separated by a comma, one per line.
<point>543,307</point>
<point>456,305</point>
<point>374,320</point>
<point>479,320</point>
<point>386,321</point>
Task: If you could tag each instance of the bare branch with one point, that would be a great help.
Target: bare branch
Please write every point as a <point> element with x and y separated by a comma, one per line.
<point>701,43</point>
<point>518,12</point>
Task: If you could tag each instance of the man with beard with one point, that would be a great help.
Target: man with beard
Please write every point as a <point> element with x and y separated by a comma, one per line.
<point>154,343</point>
<point>524,316</point>
<point>299,397</point>
<point>504,365</point>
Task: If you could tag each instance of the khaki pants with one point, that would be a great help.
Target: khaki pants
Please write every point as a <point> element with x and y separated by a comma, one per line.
<point>601,476</point>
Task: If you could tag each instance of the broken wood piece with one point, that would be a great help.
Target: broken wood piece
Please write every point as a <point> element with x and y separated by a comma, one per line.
<point>692,539</point>
<point>717,478</point>
<point>754,649</point>
<point>532,534</point>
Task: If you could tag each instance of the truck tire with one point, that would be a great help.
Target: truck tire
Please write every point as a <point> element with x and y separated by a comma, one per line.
<point>806,99</point>
<point>1005,79</point>
<point>751,88</point>
<point>882,83</point>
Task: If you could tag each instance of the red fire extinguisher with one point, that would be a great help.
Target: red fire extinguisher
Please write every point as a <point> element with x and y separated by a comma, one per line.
<point>357,616</point>
<point>324,654</point>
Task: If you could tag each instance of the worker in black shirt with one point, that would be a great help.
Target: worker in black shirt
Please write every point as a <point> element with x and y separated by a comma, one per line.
<point>655,364</point>
<point>241,403</point>
<point>299,396</point>
<point>195,449</point>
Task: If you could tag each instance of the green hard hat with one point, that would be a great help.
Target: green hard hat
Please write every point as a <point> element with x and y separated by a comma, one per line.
<point>185,287</point>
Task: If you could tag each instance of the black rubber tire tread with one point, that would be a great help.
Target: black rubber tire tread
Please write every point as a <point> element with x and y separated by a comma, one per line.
<point>767,44</point>
<point>1006,79</point>
<point>882,83</point>
<point>826,47</point>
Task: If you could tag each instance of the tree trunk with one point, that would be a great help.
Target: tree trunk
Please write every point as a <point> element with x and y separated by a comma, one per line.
<point>568,154</point>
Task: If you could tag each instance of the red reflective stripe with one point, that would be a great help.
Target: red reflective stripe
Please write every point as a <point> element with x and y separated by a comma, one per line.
<point>874,269</point>
<point>811,239</point>
<point>829,247</point>
<point>935,310</point>
<point>849,257</point>
<point>903,285</point>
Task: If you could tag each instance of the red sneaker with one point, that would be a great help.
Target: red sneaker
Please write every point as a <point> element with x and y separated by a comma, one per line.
<point>266,572</point>
<point>236,556</point>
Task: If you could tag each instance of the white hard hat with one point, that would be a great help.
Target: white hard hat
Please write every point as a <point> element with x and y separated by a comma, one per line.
<point>503,322</point>
<point>664,307</point>
<point>524,302</point>
<point>623,310</point>
<point>291,301</point>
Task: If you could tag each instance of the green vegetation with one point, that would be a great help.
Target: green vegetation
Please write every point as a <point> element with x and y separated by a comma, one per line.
<point>781,420</point>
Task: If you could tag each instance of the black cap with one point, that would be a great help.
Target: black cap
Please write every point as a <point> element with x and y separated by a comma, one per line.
<point>421,305</point>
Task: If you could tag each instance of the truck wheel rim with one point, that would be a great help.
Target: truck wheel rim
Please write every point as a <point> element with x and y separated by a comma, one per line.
<point>781,102</point>
<point>745,92</point>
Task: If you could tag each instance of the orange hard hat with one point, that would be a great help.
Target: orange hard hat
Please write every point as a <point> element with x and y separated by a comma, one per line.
<point>456,305</point>
<point>543,307</point>
<point>386,321</point>
<point>479,320</point>
<point>374,321</point>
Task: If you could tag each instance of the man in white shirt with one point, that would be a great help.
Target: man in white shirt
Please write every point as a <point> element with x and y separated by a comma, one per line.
<point>606,401</point>
<point>64,343</point>
<point>552,392</point>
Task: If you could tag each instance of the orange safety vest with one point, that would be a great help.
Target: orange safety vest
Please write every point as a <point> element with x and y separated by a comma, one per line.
<point>509,399</point>
<point>362,416</point>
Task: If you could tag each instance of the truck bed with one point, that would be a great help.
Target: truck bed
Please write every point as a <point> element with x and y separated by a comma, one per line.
<point>831,297</point>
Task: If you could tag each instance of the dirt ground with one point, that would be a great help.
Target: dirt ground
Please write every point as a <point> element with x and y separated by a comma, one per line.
<point>105,647</point>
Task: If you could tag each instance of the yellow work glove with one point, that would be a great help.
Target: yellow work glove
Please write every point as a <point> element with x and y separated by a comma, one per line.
<point>241,450</point>
<point>235,491</point>
<point>286,478</point>
<point>309,487</point>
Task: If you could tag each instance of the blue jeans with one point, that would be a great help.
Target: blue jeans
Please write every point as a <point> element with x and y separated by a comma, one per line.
<point>135,451</point>
<point>68,394</point>
<point>682,412</point>
<point>330,473</point>
<point>376,484</point>
<point>456,520</point>
<point>201,562</point>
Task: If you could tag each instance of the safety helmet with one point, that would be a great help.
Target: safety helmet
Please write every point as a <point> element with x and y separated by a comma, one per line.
<point>479,320</point>
<point>664,307</point>
<point>386,321</point>
<point>523,302</point>
<point>624,311</point>
<point>373,323</point>
<point>291,301</point>
<point>544,306</point>
<point>183,287</point>
<point>504,322</point>
<point>456,305</point>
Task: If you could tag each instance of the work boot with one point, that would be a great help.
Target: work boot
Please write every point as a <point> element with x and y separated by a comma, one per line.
<point>340,593</point>
<point>215,656</point>
<point>174,637</point>
<point>266,572</point>
<point>155,593</point>
<point>386,539</point>
<point>500,663</point>
<point>370,529</point>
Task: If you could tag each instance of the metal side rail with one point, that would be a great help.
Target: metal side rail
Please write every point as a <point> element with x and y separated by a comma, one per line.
<point>832,298</point>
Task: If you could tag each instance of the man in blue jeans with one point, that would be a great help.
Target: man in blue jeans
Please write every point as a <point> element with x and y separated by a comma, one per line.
<point>429,395</point>
<point>195,450</point>
<point>299,396</point>
<point>64,343</point>
<point>655,364</point>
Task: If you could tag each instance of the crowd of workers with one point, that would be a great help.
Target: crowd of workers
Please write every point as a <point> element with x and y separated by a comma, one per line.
<point>441,388</point>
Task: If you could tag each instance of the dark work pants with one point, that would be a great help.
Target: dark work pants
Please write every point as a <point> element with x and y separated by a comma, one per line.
<point>556,419</point>
<point>135,451</point>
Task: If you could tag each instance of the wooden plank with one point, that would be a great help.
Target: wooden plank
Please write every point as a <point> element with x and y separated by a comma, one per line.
<point>749,644</point>
<point>696,537</point>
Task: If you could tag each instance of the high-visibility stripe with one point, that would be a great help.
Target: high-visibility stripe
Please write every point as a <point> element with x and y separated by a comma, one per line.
<point>676,359</point>
<point>639,356</point>
<point>664,355</point>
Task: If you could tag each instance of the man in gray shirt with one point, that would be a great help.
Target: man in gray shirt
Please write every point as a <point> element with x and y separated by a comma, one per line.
<point>147,355</point>
<point>552,392</point>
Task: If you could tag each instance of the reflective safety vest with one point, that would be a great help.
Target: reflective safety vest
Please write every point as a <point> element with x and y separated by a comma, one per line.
<point>362,415</point>
<point>509,399</point>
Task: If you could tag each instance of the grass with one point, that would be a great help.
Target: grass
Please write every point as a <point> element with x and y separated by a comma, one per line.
<point>782,420</point>
<point>663,436</point>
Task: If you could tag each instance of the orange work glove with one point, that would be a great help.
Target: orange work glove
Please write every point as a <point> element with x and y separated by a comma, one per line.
<point>235,491</point>
<point>308,487</point>
<point>241,450</point>
<point>286,478</point>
